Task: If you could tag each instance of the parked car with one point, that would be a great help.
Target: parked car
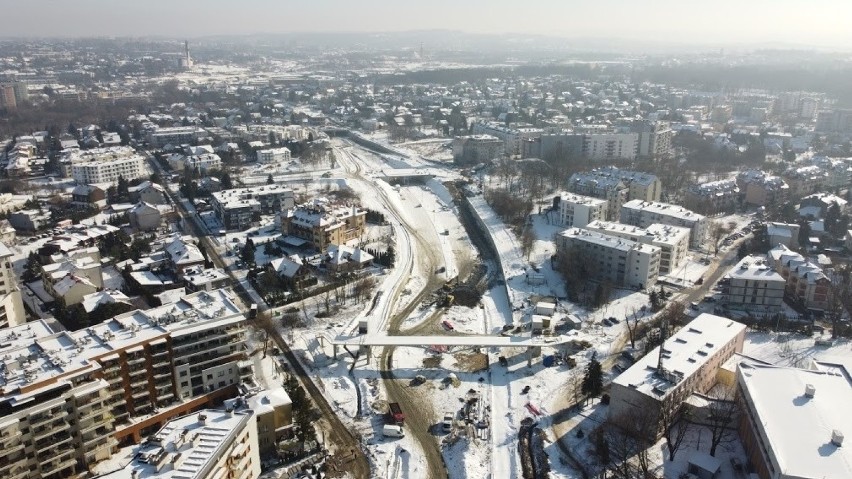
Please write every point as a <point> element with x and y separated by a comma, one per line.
<point>693,306</point>
<point>614,320</point>
<point>447,325</point>
<point>447,423</point>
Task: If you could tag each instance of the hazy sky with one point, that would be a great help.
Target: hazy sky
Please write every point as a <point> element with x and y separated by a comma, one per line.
<point>804,22</point>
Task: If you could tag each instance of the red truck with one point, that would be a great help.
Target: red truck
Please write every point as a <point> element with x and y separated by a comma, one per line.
<point>395,415</point>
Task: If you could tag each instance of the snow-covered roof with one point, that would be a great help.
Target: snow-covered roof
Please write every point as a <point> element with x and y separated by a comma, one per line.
<point>754,268</point>
<point>93,300</point>
<point>285,267</point>
<point>798,429</point>
<point>182,252</point>
<point>684,353</point>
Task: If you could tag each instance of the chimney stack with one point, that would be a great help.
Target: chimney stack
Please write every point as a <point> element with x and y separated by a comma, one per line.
<point>810,390</point>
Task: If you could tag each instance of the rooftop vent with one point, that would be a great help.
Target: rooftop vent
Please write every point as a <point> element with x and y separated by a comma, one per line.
<point>837,438</point>
<point>810,390</point>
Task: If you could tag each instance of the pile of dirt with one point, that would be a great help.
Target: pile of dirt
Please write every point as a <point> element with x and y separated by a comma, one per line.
<point>432,362</point>
<point>471,362</point>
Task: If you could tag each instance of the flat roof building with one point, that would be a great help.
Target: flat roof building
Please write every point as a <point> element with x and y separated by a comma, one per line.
<point>578,210</point>
<point>235,208</point>
<point>645,213</point>
<point>673,241</point>
<point>754,286</point>
<point>689,359</point>
<point>623,262</point>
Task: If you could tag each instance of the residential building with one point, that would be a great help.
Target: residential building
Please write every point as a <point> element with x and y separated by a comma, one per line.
<point>655,139</point>
<point>144,217</point>
<point>805,180</point>
<point>273,155</point>
<point>673,241</point>
<point>817,204</point>
<point>181,255</point>
<point>322,223</point>
<point>792,421</point>
<point>762,189</point>
<point>721,196</point>
<point>342,258</point>
<point>161,137</point>
<point>151,193</point>
<point>474,149</point>
<point>29,221</point>
<point>88,196</point>
<point>685,363</point>
<point>209,444</point>
<point>611,146</point>
<point>11,303</point>
<point>512,138</point>
<point>645,213</point>
<point>641,186</point>
<point>71,398</point>
<point>274,411</point>
<point>552,146</point>
<point>805,280</point>
<point>236,208</point>
<point>837,120</point>
<point>203,163</point>
<point>608,188</point>
<point>197,278</point>
<point>72,278</point>
<point>103,165</point>
<point>752,285</point>
<point>622,262</point>
<point>292,271</point>
<point>578,210</point>
<point>783,233</point>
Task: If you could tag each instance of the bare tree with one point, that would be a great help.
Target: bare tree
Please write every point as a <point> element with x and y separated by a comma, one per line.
<point>630,435</point>
<point>839,297</point>
<point>717,232</point>
<point>264,324</point>
<point>675,424</point>
<point>363,287</point>
<point>527,242</point>
<point>632,322</point>
<point>721,415</point>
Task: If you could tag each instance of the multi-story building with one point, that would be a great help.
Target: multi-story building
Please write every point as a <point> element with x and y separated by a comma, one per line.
<point>805,180</point>
<point>641,186</point>
<point>11,304</point>
<point>838,120</point>
<point>804,280</point>
<point>673,241</point>
<point>273,155</point>
<point>551,146</point>
<point>511,137</point>
<point>70,398</point>
<point>685,363</point>
<point>235,208</point>
<point>721,196</point>
<point>578,210</point>
<point>761,188</point>
<point>103,165</point>
<point>321,223</point>
<point>611,146</point>
<point>754,286</point>
<point>179,135</point>
<point>655,139</point>
<point>791,420</point>
<point>209,444</point>
<point>473,149</point>
<point>645,213</point>
<point>608,188</point>
<point>619,261</point>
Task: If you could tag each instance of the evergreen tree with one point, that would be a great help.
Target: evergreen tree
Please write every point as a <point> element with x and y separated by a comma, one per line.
<point>227,184</point>
<point>593,379</point>
<point>247,254</point>
<point>269,179</point>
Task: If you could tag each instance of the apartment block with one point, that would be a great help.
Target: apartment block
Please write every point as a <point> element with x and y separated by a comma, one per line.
<point>511,137</point>
<point>209,444</point>
<point>753,286</point>
<point>70,398</point>
<point>805,280</point>
<point>622,262</point>
<point>235,208</point>
<point>11,303</point>
<point>613,190</point>
<point>805,180</point>
<point>273,155</point>
<point>611,146</point>
<point>474,149</point>
<point>761,188</point>
<point>103,165</point>
<point>578,210</point>
<point>645,213</point>
<point>685,363</point>
<point>179,135</point>
<point>322,223</point>
<point>673,241</point>
<point>721,196</point>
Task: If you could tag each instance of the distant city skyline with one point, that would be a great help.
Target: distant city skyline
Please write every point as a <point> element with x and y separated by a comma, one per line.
<point>787,22</point>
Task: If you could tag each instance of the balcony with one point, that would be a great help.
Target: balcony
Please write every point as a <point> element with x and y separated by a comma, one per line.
<point>57,465</point>
<point>52,429</point>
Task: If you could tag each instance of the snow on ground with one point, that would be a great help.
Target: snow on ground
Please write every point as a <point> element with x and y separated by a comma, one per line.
<point>791,349</point>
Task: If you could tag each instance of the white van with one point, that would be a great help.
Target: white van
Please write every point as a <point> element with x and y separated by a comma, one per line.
<point>392,430</point>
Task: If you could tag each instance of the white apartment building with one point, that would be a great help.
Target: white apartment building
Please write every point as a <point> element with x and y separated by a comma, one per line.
<point>236,207</point>
<point>103,165</point>
<point>209,444</point>
<point>511,137</point>
<point>273,155</point>
<point>578,210</point>
<point>608,188</point>
<point>620,261</point>
<point>178,135</point>
<point>645,213</point>
<point>752,285</point>
<point>473,149</point>
<point>793,421</point>
<point>611,146</point>
<point>11,304</point>
<point>691,358</point>
<point>70,398</point>
<point>673,241</point>
<point>204,162</point>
